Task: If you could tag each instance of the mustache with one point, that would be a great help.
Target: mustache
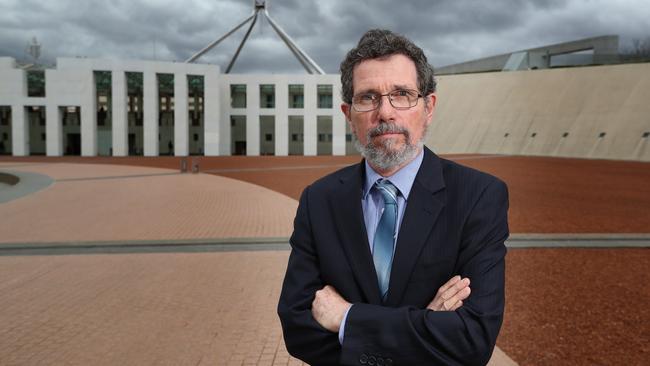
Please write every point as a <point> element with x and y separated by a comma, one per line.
<point>387,127</point>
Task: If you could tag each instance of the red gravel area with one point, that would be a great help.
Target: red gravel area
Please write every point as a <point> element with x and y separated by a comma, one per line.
<point>577,307</point>
<point>564,306</point>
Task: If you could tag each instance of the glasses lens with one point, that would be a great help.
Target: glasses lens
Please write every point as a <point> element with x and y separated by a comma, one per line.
<point>403,98</point>
<point>400,99</point>
<point>365,102</point>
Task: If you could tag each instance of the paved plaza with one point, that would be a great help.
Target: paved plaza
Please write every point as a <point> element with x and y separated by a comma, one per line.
<point>209,308</point>
<point>216,306</point>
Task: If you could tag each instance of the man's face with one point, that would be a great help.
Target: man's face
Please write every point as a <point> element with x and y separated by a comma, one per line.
<point>383,76</point>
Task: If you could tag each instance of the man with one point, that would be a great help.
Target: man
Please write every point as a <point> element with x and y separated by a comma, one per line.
<point>383,251</point>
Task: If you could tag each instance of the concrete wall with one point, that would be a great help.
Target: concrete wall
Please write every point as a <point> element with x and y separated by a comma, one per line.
<point>529,112</point>
<point>72,83</point>
<point>605,49</point>
<point>593,112</point>
<point>281,113</point>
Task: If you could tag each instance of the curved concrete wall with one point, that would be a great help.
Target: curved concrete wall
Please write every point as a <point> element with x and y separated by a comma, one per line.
<point>529,112</point>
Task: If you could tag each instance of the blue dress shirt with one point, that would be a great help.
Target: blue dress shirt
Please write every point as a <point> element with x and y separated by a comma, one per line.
<point>373,205</point>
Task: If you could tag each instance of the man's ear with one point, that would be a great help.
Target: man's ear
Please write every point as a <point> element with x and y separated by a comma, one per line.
<point>346,109</point>
<point>430,105</point>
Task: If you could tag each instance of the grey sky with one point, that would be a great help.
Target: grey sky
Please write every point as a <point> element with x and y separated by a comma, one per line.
<point>449,31</point>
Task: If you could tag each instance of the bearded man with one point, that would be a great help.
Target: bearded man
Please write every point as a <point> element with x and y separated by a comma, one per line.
<point>382,252</point>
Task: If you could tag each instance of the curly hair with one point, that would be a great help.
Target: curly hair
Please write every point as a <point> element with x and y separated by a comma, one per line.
<point>381,43</point>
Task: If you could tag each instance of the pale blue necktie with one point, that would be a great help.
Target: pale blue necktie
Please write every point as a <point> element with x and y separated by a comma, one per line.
<point>384,239</point>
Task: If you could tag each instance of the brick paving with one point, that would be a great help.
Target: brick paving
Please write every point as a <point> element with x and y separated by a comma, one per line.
<point>145,309</point>
<point>124,203</point>
<point>142,309</point>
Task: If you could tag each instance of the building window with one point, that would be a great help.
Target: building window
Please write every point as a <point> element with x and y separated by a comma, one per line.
<point>267,96</point>
<point>268,137</point>
<point>237,96</point>
<point>534,134</point>
<point>296,96</point>
<point>42,137</point>
<point>5,113</point>
<point>646,135</point>
<point>348,137</point>
<point>324,96</point>
<point>36,83</point>
<point>565,134</point>
<point>601,135</point>
<point>101,116</point>
<point>196,137</point>
<point>506,134</point>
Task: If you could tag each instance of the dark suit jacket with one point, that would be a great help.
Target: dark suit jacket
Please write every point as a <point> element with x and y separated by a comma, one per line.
<point>455,223</point>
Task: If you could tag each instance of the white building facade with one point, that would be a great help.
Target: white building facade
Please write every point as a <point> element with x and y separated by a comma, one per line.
<point>228,114</point>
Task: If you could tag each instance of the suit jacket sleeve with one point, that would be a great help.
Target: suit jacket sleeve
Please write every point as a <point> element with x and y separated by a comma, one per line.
<point>411,336</point>
<point>303,336</point>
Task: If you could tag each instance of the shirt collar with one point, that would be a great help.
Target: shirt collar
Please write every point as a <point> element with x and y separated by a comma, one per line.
<point>402,179</point>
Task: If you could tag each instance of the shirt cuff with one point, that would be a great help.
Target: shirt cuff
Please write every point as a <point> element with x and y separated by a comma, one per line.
<point>342,327</point>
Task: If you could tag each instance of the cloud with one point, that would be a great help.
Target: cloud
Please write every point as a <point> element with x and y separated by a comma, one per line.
<point>449,31</point>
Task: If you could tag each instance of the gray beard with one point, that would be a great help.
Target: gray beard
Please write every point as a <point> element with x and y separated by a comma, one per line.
<point>384,156</point>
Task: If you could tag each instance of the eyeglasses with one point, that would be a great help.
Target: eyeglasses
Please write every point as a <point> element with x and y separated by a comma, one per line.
<point>399,99</point>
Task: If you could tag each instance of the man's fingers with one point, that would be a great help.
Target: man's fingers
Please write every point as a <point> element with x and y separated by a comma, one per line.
<point>451,295</point>
<point>453,307</point>
<point>461,295</point>
<point>449,284</point>
<point>455,288</point>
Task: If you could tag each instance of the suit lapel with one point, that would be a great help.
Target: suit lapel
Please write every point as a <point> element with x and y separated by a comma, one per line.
<point>346,205</point>
<point>423,207</point>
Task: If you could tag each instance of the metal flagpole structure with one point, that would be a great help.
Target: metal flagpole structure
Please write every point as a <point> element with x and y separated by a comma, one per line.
<point>260,6</point>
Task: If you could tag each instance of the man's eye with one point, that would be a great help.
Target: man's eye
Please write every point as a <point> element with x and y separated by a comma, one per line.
<point>402,93</point>
<point>367,97</point>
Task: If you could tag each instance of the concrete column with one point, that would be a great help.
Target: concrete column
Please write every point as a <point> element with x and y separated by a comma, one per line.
<point>211,104</point>
<point>53,117</point>
<point>19,130</point>
<point>310,129</point>
<point>253,119</point>
<point>181,125</point>
<point>89,115</point>
<point>338,122</point>
<point>281,118</point>
<point>150,101</point>
<point>120,114</point>
<point>338,134</point>
<point>53,130</point>
<point>224,127</point>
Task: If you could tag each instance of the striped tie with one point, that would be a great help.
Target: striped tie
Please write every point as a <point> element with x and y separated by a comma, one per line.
<point>384,240</point>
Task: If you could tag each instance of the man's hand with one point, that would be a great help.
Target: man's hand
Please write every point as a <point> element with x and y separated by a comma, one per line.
<point>450,296</point>
<point>328,308</point>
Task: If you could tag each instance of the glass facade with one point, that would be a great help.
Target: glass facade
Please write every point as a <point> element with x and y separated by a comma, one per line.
<point>267,96</point>
<point>324,96</point>
<point>238,96</point>
<point>296,96</point>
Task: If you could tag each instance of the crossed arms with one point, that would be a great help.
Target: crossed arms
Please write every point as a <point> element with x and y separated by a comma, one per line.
<point>329,307</point>
<point>458,326</point>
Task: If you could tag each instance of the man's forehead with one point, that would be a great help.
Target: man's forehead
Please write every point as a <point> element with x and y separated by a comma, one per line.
<point>395,71</point>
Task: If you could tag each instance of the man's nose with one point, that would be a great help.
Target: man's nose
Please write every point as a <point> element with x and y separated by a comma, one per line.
<point>385,111</point>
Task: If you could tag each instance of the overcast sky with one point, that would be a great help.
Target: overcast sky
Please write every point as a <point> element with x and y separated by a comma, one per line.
<point>449,31</point>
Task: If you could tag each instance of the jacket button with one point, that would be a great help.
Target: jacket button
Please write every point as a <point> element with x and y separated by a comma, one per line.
<point>389,362</point>
<point>380,361</point>
<point>363,359</point>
